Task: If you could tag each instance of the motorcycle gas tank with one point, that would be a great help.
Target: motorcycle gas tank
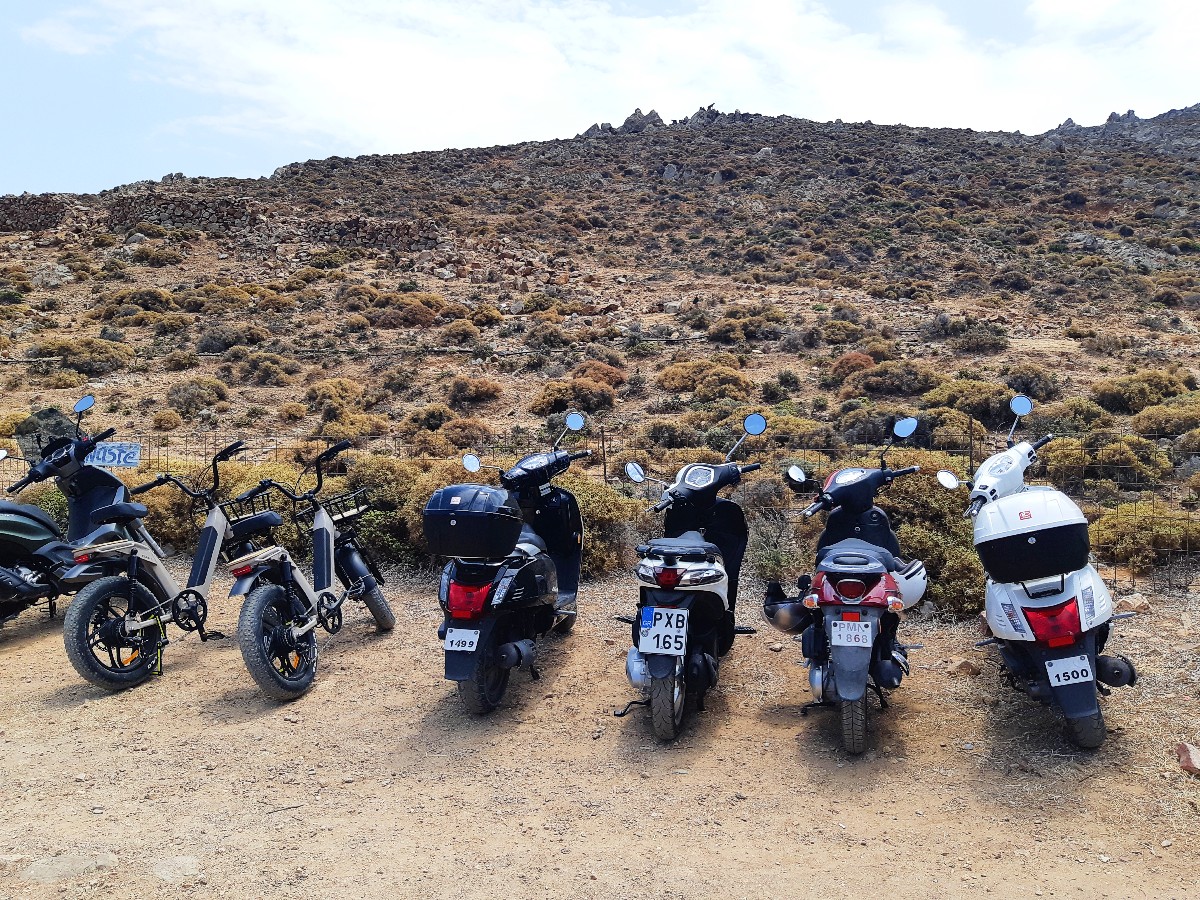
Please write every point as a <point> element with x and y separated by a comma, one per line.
<point>26,527</point>
<point>1004,604</point>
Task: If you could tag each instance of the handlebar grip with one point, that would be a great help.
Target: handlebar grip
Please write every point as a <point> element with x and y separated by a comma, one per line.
<point>909,471</point>
<point>148,486</point>
<point>103,436</point>
<point>1042,442</point>
<point>750,468</point>
<point>579,455</point>
<point>20,485</point>
<point>230,450</point>
<point>662,504</point>
<point>253,492</point>
<point>973,510</point>
<point>811,510</point>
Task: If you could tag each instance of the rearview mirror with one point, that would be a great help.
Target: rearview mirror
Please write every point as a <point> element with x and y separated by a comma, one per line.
<point>796,475</point>
<point>634,472</point>
<point>471,462</point>
<point>3,454</point>
<point>86,402</point>
<point>905,428</point>
<point>1020,405</point>
<point>575,421</point>
<point>948,480</point>
<point>755,424</point>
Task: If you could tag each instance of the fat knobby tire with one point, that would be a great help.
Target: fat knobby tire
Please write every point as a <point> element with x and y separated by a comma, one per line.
<point>377,605</point>
<point>854,725</point>
<point>271,681</point>
<point>77,627</point>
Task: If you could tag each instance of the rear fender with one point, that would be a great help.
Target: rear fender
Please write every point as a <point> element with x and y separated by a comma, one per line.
<point>1075,700</point>
<point>246,583</point>
<point>851,665</point>
<point>460,664</point>
<point>659,665</point>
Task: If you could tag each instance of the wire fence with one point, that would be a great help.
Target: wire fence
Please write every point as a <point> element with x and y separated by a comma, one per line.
<point>1142,485</point>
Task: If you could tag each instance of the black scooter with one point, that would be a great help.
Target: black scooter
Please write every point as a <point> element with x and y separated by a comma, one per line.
<point>687,588</point>
<point>35,556</point>
<point>513,576</point>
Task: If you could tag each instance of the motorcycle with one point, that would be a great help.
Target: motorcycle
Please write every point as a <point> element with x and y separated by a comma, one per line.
<point>513,576</point>
<point>282,608</point>
<point>35,556</point>
<point>848,612</point>
<point>1046,608</point>
<point>688,585</point>
<point>116,629</point>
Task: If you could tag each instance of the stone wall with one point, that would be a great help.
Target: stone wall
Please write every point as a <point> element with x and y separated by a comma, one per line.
<point>32,212</point>
<point>381,234</point>
<point>217,216</point>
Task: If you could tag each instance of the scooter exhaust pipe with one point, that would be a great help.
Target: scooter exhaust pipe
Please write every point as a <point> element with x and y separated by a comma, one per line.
<point>1115,671</point>
<point>516,654</point>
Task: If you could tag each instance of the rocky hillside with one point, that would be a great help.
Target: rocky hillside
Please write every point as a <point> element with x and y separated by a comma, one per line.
<point>664,277</point>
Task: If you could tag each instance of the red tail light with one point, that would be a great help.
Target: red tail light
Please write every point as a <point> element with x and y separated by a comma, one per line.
<point>83,557</point>
<point>242,571</point>
<point>1055,626</point>
<point>466,601</point>
<point>668,578</point>
<point>851,588</point>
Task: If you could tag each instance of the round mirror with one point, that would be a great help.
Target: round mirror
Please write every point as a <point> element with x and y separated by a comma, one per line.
<point>575,421</point>
<point>905,428</point>
<point>3,454</point>
<point>796,474</point>
<point>471,462</point>
<point>1020,405</point>
<point>634,472</point>
<point>948,480</point>
<point>755,423</point>
<point>85,403</point>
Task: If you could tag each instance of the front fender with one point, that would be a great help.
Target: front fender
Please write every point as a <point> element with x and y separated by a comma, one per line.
<point>460,664</point>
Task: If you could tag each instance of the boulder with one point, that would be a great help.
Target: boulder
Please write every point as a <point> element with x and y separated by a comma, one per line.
<point>1189,757</point>
<point>959,665</point>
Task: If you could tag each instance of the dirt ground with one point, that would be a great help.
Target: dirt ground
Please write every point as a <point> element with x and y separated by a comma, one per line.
<point>379,784</point>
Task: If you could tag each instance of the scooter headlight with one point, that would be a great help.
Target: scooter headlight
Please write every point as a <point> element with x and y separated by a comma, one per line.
<point>705,575</point>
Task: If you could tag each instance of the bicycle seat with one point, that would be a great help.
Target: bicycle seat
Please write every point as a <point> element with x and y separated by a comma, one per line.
<point>687,544</point>
<point>256,524</point>
<point>856,557</point>
<point>118,513</point>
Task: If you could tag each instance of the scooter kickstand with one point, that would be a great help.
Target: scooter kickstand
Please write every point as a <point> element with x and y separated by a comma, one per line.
<point>622,713</point>
<point>815,704</point>
<point>883,704</point>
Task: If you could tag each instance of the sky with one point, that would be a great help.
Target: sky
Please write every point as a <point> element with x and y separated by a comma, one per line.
<point>99,93</point>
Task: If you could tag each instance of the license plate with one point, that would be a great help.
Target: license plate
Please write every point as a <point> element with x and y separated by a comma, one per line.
<point>663,631</point>
<point>463,639</point>
<point>1071,670</point>
<point>851,634</point>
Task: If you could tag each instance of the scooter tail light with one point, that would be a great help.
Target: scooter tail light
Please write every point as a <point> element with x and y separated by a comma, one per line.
<point>83,557</point>
<point>851,588</point>
<point>1055,626</point>
<point>239,572</point>
<point>466,601</point>
<point>851,617</point>
<point>668,578</point>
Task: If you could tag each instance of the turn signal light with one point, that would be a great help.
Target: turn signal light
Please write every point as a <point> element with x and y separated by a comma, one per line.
<point>466,601</point>
<point>810,602</point>
<point>895,603</point>
<point>242,571</point>
<point>1055,626</point>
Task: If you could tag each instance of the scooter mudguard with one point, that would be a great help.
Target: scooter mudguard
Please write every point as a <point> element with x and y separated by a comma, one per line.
<point>352,568</point>
<point>660,665</point>
<point>851,666</point>
<point>84,572</point>
<point>460,664</point>
<point>1075,700</point>
<point>246,583</point>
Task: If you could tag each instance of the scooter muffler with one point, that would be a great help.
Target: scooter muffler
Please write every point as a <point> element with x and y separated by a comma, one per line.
<point>516,654</point>
<point>1115,671</point>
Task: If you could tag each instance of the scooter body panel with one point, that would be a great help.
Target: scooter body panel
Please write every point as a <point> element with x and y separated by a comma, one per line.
<point>1004,604</point>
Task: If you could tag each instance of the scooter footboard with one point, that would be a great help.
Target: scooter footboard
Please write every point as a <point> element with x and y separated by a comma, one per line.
<point>460,664</point>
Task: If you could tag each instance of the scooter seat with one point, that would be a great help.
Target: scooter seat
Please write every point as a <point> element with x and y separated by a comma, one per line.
<point>690,542</point>
<point>36,513</point>
<point>531,537</point>
<point>256,524</point>
<point>856,557</point>
<point>118,513</point>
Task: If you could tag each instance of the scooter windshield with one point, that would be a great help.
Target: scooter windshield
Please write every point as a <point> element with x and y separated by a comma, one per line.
<point>41,430</point>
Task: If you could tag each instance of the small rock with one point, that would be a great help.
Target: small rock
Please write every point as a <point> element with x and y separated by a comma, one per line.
<point>775,647</point>
<point>1134,603</point>
<point>1166,843</point>
<point>960,666</point>
<point>176,869</point>
<point>1189,757</point>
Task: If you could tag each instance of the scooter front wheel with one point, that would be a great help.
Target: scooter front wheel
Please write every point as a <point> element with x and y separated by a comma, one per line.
<point>484,690</point>
<point>281,664</point>
<point>667,699</point>
<point>854,725</point>
<point>99,645</point>
<point>1087,732</point>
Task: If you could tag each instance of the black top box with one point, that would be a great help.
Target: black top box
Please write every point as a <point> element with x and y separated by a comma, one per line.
<point>1036,554</point>
<point>472,521</point>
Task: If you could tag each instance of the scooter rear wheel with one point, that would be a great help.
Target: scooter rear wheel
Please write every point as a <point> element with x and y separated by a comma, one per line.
<point>1087,732</point>
<point>484,690</point>
<point>101,652</point>
<point>283,669</point>
<point>854,725</point>
<point>667,699</point>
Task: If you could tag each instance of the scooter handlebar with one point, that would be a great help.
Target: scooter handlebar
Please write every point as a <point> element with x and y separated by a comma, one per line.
<point>911,470</point>
<point>580,454</point>
<point>235,447</point>
<point>662,504</point>
<point>148,486</point>
<point>973,510</point>
<point>1042,442</point>
<point>260,488</point>
<point>21,485</point>
<point>750,468</point>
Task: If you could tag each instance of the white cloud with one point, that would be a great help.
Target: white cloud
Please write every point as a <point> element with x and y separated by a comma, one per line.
<point>395,75</point>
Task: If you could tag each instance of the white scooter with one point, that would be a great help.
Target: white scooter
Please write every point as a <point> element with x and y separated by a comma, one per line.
<point>1047,609</point>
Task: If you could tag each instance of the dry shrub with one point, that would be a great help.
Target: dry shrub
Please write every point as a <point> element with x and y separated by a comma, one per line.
<point>599,371</point>
<point>333,393</point>
<point>191,396</point>
<point>983,400</point>
<point>847,364</point>
<point>1133,393</point>
<point>579,393</point>
<point>893,378</point>
<point>167,420</point>
<point>465,391</point>
<point>459,333</point>
<point>91,356</point>
<point>467,432</point>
